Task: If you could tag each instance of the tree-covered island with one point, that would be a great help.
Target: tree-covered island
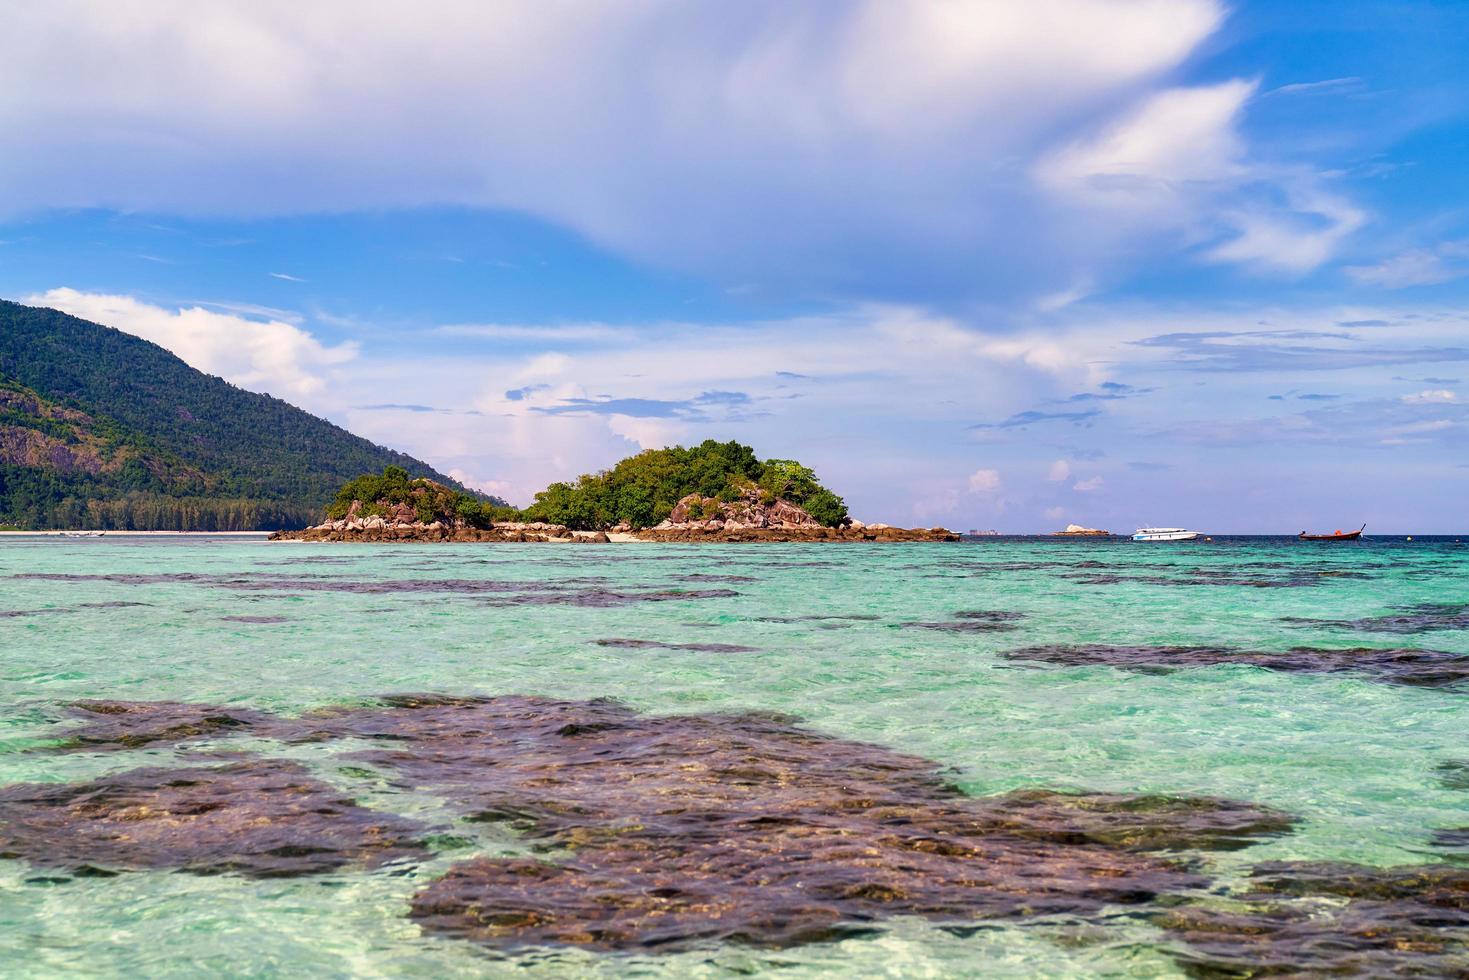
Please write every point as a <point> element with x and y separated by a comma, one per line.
<point>712,491</point>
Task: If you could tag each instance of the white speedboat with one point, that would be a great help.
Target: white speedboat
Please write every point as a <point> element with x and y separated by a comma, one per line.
<point>1164,534</point>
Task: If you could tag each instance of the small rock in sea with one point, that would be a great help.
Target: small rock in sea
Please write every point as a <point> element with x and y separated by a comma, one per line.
<point>973,621</point>
<point>1454,773</point>
<point>659,645</point>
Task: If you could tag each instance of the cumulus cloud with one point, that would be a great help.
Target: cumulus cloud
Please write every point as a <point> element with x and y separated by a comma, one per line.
<point>984,481</point>
<point>261,355</point>
<point>1059,472</point>
<point>498,488</point>
<point>1089,485</point>
<point>895,145</point>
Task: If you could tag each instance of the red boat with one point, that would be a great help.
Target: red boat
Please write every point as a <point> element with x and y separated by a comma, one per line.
<point>1334,536</point>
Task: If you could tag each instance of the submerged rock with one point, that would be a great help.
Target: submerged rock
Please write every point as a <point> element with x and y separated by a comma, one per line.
<point>631,644</point>
<point>973,621</point>
<point>136,724</point>
<point>1416,668</point>
<point>658,832</point>
<point>573,592</point>
<point>685,829</point>
<point>1454,839</point>
<point>1337,919</point>
<point>263,818</point>
<point>1256,576</point>
<point>1454,773</point>
<point>1423,618</point>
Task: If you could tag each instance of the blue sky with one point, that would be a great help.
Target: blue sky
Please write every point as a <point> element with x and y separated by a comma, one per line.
<point>986,264</point>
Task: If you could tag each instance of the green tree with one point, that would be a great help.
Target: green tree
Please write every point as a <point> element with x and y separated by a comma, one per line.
<point>826,507</point>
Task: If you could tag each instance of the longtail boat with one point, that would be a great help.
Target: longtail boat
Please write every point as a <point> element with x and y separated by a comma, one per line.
<point>1334,536</point>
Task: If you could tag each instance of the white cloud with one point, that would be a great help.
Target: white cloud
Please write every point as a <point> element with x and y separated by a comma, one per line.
<point>1438,396</point>
<point>1293,239</point>
<point>648,433</point>
<point>498,488</point>
<point>1326,85</point>
<point>1418,267</point>
<point>261,355</point>
<point>1174,137</point>
<point>675,133</point>
<point>1060,470</point>
<point>1089,485</point>
<point>938,501</point>
<point>1055,513</point>
<point>984,481</point>
<point>1177,160</point>
<point>548,365</point>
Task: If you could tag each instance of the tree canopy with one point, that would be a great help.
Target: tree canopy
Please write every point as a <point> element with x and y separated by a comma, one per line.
<point>642,490</point>
<point>431,501</point>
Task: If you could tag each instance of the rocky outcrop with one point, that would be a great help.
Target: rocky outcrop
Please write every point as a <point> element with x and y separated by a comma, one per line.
<point>752,517</point>
<point>694,519</point>
<point>734,531</point>
<point>378,529</point>
<point>43,435</point>
<point>27,447</point>
<point>1077,531</point>
<point>750,510</point>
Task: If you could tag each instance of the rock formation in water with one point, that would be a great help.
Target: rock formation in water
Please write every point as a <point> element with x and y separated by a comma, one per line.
<point>710,492</point>
<point>264,818</point>
<point>395,508</point>
<point>1077,531</point>
<point>654,834</point>
<point>1407,666</point>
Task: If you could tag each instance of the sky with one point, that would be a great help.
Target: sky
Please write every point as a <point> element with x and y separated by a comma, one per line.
<point>983,263</point>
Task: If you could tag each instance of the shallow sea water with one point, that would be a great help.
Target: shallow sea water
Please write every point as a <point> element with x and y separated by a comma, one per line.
<point>1354,758</point>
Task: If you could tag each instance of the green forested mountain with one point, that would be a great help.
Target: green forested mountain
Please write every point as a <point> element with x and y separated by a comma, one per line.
<point>99,428</point>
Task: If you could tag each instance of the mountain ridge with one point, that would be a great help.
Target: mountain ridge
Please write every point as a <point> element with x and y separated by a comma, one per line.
<point>99,428</point>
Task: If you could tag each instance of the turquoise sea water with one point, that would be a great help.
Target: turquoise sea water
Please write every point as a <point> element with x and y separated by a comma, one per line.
<point>1353,757</point>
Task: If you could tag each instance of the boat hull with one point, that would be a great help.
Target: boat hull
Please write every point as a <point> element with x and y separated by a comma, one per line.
<point>1338,536</point>
<point>1165,536</point>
